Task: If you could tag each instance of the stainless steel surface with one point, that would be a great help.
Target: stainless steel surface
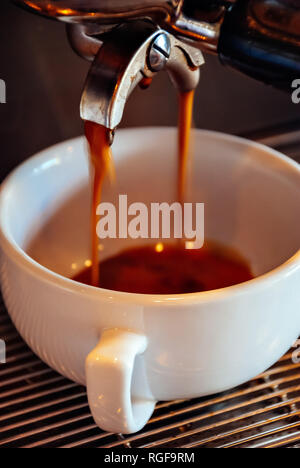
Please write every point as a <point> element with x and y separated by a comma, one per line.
<point>123,61</point>
<point>83,40</point>
<point>39,408</point>
<point>167,14</point>
<point>159,52</point>
<point>280,18</point>
<point>199,33</point>
<point>105,11</point>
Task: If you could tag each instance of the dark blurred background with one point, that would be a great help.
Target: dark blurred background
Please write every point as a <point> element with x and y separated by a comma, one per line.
<point>44,81</point>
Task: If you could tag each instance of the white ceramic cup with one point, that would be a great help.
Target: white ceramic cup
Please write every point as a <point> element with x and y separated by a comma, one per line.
<point>133,350</point>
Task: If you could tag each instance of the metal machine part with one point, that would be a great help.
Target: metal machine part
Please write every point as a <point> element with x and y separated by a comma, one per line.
<point>261,38</point>
<point>127,55</point>
<point>129,41</point>
<point>273,24</point>
<point>104,11</point>
<point>258,37</point>
<point>193,19</point>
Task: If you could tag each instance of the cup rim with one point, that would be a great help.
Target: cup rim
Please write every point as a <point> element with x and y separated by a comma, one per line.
<point>19,256</point>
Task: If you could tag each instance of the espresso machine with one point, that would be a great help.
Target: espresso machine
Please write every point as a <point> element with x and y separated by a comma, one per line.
<point>130,41</point>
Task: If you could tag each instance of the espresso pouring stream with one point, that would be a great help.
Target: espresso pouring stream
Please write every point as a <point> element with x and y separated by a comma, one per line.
<point>102,166</point>
<point>147,270</point>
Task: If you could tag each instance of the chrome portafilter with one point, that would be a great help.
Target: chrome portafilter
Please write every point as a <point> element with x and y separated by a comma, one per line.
<point>131,54</point>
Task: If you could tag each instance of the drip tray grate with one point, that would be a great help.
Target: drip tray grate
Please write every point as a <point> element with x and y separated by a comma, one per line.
<point>40,408</point>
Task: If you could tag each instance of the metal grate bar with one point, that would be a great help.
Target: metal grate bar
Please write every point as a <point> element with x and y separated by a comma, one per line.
<point>27,387</point>
<point>37,408</point>
<point>36,396</point>
<point>40,431</point>
<point>33,362</point>
<point>68,434</point>
<point>279,370</point>
<point>240,430</point>
<point>26,375</point>
<point>11,347</point>
<point>273,433</point>
<point>284,442</point>
<point>17,356</point>
<point>86,440</point>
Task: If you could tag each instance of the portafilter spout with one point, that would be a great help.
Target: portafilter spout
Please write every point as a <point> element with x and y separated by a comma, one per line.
<point>125,56</point>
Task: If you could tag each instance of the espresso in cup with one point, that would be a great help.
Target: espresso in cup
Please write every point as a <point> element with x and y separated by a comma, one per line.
<point>160,268</point>
<point>170,269</point>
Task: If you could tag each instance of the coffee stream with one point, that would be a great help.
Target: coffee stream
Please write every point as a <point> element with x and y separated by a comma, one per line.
<point>186,104</point>
<point>163,269</point>
<point>101,166</point>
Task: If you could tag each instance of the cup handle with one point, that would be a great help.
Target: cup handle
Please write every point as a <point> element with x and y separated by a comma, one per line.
<point>109,370</point>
